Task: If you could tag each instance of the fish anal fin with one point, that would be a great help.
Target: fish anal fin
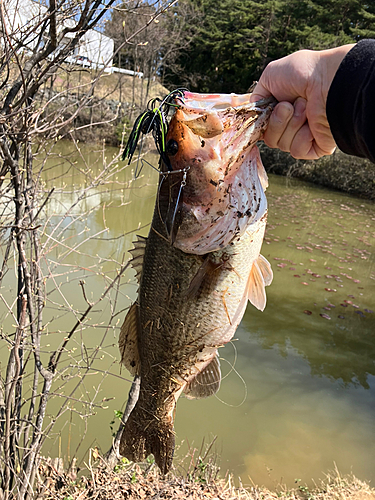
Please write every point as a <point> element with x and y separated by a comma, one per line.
<point>128,341</point>
<point>206,383</point>
<point>137,255</point>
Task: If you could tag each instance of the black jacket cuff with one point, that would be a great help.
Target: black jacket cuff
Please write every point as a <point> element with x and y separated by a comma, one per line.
<point>351,102</point>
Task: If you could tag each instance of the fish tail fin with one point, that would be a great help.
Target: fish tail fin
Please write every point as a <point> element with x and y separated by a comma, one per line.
<point>142,436</point>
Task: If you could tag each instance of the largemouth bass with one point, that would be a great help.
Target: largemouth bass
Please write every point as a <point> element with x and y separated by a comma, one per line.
<point>199,265</point>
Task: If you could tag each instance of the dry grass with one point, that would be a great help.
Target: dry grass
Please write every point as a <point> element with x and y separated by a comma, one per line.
<point>200,481</point>
<point>111,101</point>
<point>116,86</point>
<point>78,80</point>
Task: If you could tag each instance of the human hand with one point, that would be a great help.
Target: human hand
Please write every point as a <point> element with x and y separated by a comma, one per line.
<point>300,82</point>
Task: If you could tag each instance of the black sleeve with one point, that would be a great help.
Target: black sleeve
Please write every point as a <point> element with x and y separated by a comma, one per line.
<point>351,102</point>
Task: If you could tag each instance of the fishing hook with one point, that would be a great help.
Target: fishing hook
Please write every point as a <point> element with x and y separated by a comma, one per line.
<point>182,185</point>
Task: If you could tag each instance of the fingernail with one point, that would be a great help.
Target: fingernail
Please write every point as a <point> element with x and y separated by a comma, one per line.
<point>255,97</point>
<point>283,112</point>
<point>299,107</point>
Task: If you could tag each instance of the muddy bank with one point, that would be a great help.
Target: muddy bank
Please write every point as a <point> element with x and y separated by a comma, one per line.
<point>191,480</point>
<point>339,171</point>
<point>99,120</point>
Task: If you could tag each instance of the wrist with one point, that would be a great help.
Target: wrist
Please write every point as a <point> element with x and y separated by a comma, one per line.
<point>330,61</point>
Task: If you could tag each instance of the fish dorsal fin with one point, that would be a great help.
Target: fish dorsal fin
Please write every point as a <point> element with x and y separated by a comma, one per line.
<point>262,174</point>
<point>206,383</point>
<point>128,341</point>
<point>138,253</point>
<point>260,276</point>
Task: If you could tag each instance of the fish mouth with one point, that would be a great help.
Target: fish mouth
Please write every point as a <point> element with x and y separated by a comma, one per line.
<point>206,102</point>
<point>156,118</point>
<point>235,122</point>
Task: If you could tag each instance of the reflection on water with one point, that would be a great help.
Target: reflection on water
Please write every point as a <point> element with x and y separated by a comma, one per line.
<point>321,246</point>
<point>301,396</point>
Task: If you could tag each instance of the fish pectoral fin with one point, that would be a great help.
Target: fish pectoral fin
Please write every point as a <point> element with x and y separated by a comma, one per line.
<point>206,383</point>
<point>138,253</point>
<point>265,269</point>
<point>260,276</point>
<point>206,269</point>
<point>128,341</point>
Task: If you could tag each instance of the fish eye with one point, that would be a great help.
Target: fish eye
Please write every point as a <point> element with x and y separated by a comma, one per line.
<point>172,147</point>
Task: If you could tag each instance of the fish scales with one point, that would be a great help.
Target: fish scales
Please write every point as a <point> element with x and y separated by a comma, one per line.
<point>188,306</point>
<point>183,320</point>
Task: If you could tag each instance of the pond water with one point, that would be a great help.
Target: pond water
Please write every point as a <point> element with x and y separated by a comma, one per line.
<point>298,394</point>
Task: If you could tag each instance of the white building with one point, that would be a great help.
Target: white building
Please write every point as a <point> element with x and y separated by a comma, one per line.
<point>94,49</point>
<point>97,47</point>
<point>20,17</point>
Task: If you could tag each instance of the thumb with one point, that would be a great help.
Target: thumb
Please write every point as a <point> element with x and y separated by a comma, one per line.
<point>259,92</point>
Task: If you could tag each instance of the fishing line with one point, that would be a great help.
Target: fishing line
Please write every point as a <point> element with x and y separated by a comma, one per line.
<point>244,384</point>
<point>158,198</point>
<point>137,173</point>
<point>233,369</point>
<point>234,361</point>
<point>165,174</point>
<point>143,162</point>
